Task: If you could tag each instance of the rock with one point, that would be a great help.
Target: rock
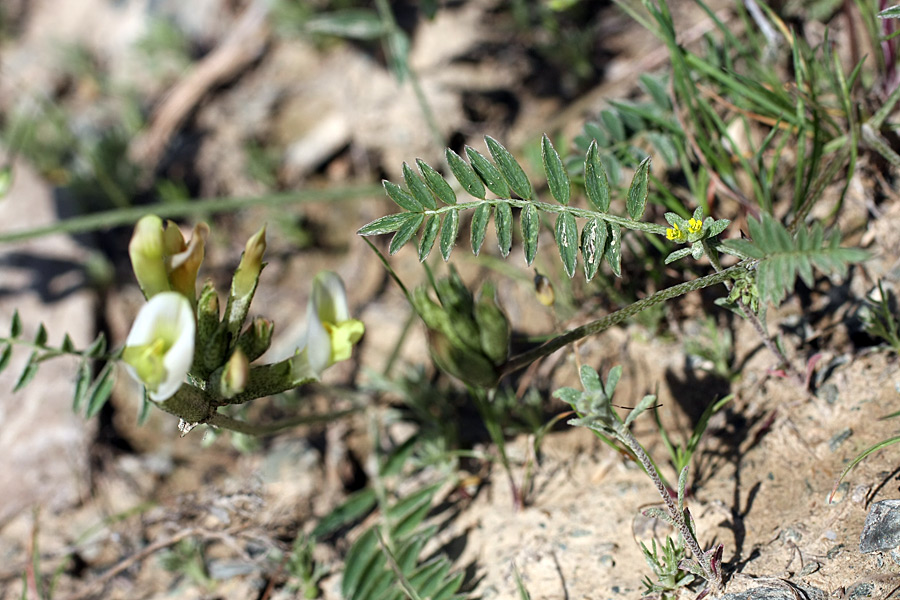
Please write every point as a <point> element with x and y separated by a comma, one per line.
<point>786,592</point>
<point>882,528</point>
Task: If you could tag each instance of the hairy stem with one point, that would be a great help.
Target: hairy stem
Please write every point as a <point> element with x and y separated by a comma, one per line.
<point>713,577</point>
<point>231,424</point>
<point>594,327</point>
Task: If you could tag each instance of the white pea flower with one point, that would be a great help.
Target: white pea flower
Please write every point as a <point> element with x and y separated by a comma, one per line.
<point>160,347</point>
<point>331,333</point>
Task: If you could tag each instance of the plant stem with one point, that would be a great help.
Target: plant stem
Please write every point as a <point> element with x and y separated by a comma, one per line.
<point>594,327</point>
<point>128,216</point>
<point>231,424</point>
<point>714,578</point>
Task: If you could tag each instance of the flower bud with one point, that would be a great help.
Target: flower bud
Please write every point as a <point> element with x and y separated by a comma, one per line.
<point>159,349</point>
<point>182,266</point>
<point>235,375</point>
<point>247,275</point>
<point>543,289</point>
<point>147,252</point>
<point>257,338</point>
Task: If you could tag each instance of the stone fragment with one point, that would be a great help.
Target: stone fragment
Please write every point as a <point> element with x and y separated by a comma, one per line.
<point>787,592</point>
<point>882,528</point>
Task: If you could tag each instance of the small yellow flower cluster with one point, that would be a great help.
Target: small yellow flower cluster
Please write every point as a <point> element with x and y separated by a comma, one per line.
<point>675,233</point>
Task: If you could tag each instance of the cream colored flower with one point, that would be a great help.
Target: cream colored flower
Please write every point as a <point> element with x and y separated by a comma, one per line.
<point>331,333</point>
<point>160,347</point>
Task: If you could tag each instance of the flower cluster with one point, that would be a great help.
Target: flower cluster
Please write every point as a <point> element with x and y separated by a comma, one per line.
<point>692,231</point>
<point>178,336</point>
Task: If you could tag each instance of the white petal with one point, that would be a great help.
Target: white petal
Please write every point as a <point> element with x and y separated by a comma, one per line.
<point>167,314</point>
<point>330,297</point>
<point>318,341</point>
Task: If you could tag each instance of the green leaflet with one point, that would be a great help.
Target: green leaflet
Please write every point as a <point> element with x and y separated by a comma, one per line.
<point>614,252</point>
<point>479,226</point>
<point>403,200</point>
<point>429,235</point>
<point>449,231</point>
<point>638,191</point>
<point>407,230</point>
<point>567,241</point>
<point>593,246</point>
<point>503,222</point>
<point>465,175</point>
<point>530,232</point>
<point>557,177</point>
<point>488,173</point>
<point>511,170</point>
<point>418,188</point>
<point>436,183</point>
<point>596,183</point>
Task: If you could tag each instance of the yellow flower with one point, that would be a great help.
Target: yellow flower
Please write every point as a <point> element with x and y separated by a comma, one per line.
<point>675,233</point>
<point>695,226</point>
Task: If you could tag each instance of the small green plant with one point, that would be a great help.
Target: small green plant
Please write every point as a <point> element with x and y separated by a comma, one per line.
<point>187,558</point>
<point>879,319</point>
<point>681,454</point>
<point>595,411</point>
<point>303,570</point>
<point>664,561</point>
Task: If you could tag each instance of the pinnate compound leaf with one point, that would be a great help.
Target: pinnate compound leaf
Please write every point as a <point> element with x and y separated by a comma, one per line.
<point>429,236</point>
<point>783,258</point>
<point>406,231</point>
<point>596,182</point>
<point>510,168</point>
<point>530,231</point>
<point>479,226</point>
<point>386,224</point>
<point>557,177</point>
<point>449,231</point>
<point>400,197</point>
<point>465,175</point>
<point>639,189</point>
<point>101,389</point>
<point>614,250</point>
<point>593,246</point>
<point>488,172</point>
<point>362,558</point>
<point>436,183</point>
<point>418,188</point>
<point>567,241</point>
<point>503,221</point>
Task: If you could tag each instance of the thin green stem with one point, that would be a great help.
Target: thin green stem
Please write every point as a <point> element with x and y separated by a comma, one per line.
<point>208,206</point>
<point>523,360</point>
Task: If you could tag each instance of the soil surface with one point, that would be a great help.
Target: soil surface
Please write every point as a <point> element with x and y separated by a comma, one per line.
<point>248,107</point>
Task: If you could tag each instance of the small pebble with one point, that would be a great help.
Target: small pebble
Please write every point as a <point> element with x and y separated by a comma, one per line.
<point>607,561</point>
<point>839,438</point>
<point>861,590</point>
<point>834,552</point>
<point>895,556</point>
<point>829,391</point>
<point>830,535</point>
<point>882,528</point>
